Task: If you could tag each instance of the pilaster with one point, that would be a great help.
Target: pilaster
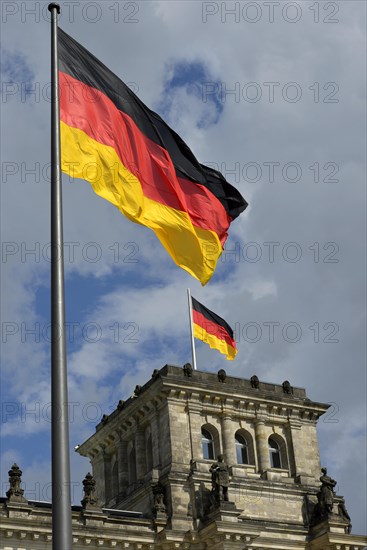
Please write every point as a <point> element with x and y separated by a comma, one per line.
<point>98,467</point>
<point>196,421</point>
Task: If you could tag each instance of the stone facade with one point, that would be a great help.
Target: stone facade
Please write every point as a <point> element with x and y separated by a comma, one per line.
<point>154,454</point>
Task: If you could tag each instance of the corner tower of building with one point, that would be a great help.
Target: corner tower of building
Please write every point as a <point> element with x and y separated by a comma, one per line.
<point>166,438</point>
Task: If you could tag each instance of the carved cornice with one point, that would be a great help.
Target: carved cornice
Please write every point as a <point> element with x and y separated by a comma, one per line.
<point>201,394</point>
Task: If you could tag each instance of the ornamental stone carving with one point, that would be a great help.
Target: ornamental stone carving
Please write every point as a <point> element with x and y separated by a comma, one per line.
<point>15,492</point>
<point>222,375</point>
<point>326,493</point>
<point>220,480</point>
<point>158,494</point>
<point>121,404</point>
<point>287,388</point>
<point>325,498</point>
<point>89,502</point>
<point>187,368</point>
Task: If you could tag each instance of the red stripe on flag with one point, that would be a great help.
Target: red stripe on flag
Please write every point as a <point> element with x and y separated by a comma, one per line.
<point>95,114</point>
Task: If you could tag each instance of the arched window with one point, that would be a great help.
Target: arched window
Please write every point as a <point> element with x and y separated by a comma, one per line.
<point>275,456</point>
<point>242,450</point>
<point>208,444</point>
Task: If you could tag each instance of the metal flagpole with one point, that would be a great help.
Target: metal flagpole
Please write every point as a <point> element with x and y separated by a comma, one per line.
<point>61,501</point>
<point>191,330</point>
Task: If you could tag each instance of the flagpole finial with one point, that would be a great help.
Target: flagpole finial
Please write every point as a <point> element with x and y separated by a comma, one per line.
<point>54,5</point>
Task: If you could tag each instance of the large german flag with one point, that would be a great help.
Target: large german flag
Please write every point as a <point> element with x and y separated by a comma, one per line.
<point>213,330</point>
<point>134,160</point>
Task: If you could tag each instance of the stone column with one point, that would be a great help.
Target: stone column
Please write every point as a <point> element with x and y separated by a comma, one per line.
<point>99,475</point>
<point>262,445</point>
<point>122,461</point>
<point>229,448</point>
<point>141,466</point>
<point>156,440</point>
<point>107,476</point>
<point>293,464</point>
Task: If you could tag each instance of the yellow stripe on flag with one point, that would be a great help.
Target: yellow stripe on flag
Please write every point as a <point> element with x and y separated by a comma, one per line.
<point>214,342</point>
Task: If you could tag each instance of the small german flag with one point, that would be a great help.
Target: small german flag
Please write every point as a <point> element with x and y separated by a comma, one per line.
<point>213,330</point>
<point>133,159</point>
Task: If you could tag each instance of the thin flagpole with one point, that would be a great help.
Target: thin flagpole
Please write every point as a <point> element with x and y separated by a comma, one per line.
<point>61,501</point>
<point>191,330</point>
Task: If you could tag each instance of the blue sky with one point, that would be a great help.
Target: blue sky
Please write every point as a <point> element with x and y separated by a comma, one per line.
<point>187,80</point>
<point>278,106</point>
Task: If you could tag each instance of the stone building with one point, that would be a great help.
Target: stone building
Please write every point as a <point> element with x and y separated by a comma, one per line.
<point>197,460</point>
